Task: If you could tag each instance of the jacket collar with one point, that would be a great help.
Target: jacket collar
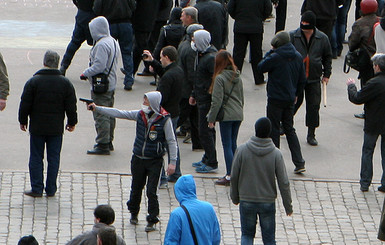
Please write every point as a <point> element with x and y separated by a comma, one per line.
<point>48,71</point>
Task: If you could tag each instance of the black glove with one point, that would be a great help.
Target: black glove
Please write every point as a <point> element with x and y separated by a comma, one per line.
<point>82,77</point>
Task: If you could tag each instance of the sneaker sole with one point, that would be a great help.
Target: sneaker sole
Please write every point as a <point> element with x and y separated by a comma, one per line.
<point>206,172</point>
<point>300,171</point>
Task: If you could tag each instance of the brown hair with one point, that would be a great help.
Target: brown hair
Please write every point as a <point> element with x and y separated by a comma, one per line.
<point>223,59</point>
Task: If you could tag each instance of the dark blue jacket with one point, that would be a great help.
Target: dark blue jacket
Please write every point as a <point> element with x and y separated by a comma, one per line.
<point>286,73</point>
<point>150,143</point>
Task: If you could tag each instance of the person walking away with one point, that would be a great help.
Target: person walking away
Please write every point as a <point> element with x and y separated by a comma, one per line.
<point>257,166</point>
<point>227,94</point>
<point>46,99</point>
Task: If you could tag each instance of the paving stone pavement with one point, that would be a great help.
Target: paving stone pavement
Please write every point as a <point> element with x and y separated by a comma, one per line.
<point>325,211</point>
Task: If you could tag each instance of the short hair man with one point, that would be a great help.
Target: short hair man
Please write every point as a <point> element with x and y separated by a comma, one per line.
<point>257,165</point>
<point>28,240</point>
<point>153,132</point>
<point>372,95</point>
<point>47,97</point>
<point>203,217</point>
<point>169,85</point>
<point>104,217</point>
<point>286,81</point>
<point>107,236</point>
<point>4,84</point>
<point>189,16</point>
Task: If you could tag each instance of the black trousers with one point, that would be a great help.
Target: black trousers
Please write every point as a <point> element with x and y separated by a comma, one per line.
<point>280,18</point>
<point>140,44</point>
<point>326,26</point>
<point>207,136</point>
<point>145,170</point>
<point>190,113</point>
<point>313,100</point>
<point>278,111</point>
<point>240,45</point>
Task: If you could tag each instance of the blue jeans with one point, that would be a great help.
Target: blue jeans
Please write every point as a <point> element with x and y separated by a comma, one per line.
<point>124,34</point>
<point>36,166</point>
<point>250,211</point>
<point>229,134</point>
<point>366,174</point>
<point>339,28</point>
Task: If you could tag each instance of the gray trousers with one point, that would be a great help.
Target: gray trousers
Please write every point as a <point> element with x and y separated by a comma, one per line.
<point>104,125</point>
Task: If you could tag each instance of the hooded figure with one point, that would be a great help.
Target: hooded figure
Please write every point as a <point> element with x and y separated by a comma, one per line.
<point>105,51</point>
<point>203,217</point>
<point>153,132</point>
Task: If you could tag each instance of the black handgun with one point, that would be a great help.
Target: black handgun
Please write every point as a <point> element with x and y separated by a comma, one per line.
<point>88,101</point>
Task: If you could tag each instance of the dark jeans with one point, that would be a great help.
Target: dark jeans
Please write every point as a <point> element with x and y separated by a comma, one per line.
<point>177,173</point>
<point>36,166</point>
<point>366,174</point>
<point>280,18</point>
<point>104,125</point>
<point>207,136</point>
<point>283,112</point>
<point>140,44</point>
<point>80,34</point>
<point>313,100</point>
<point>189,112</point>
<point>229,134</point>
<point>240,44</point>
<point>145,170</point>
<point>250,211</point>
<point>124,34</point>
<point>339,29</point>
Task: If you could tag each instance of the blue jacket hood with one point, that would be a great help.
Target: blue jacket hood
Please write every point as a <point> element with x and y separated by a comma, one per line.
<point>287,51</point>
<point>185,188</point>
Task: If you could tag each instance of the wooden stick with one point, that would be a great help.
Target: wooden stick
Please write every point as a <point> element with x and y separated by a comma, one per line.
<point>324,93</point>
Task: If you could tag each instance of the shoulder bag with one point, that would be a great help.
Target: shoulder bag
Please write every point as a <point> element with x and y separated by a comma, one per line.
<point>191,225</point>
<point>100,81</point>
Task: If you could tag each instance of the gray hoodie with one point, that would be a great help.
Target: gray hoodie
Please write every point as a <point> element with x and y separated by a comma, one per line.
<point>257,165</point>
<point>154,98</point>
<point>103,51</point>
<point>90,237</point>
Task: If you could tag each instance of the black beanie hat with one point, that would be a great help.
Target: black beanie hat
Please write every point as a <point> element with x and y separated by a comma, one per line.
<point>28,240</point>
<point>263,127</point>
<point>310,18</point>
<point>280,39</point>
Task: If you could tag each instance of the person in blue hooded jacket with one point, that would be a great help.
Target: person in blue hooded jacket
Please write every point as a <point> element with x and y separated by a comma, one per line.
<point>286,81</point>
<point>203,217</point>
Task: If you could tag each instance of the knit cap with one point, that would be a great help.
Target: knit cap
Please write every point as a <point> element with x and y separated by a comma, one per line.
<point>280,39</point>
<point>310,18</point>
<point>192,28</point>
<point>263,127</point>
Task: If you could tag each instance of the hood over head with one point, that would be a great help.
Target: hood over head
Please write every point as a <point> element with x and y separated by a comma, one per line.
<point>99,28</point>
<point>280,39</point>
<point>202,39</point>
<point>185,188</point>
<point>175,15</point>
<point>154,97</point>
<point>192,28</point>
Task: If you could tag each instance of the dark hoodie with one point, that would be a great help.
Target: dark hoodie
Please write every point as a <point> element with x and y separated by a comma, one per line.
<point>286,73</point>
<point>257,165</point>
<point>90,237</point>
<point>202,214</point>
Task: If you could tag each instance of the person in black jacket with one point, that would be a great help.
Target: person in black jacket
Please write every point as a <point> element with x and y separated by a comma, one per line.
<point>372,95</point>
<point>119,14</point>
<point>286,81</point>
<point>81,32</point>
<point>314,46</point>
<point>47,97</point>
<point>170,85</point>
<point>248,27</point>
<point>204,70</point>
<point>214,18</point>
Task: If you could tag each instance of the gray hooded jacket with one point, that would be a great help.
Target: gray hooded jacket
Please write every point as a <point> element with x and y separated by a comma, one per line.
<point>90,237</point>
<point>154,98</point>
<point>103,52</point>
<point>257,165</point>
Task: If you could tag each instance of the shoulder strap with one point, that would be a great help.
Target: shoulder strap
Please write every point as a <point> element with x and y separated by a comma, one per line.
<point>113,59</point>
<point>228,96</point>
<point>191,224</point>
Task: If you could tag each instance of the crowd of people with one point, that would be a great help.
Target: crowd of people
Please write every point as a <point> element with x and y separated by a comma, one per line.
<point>199,83</point>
